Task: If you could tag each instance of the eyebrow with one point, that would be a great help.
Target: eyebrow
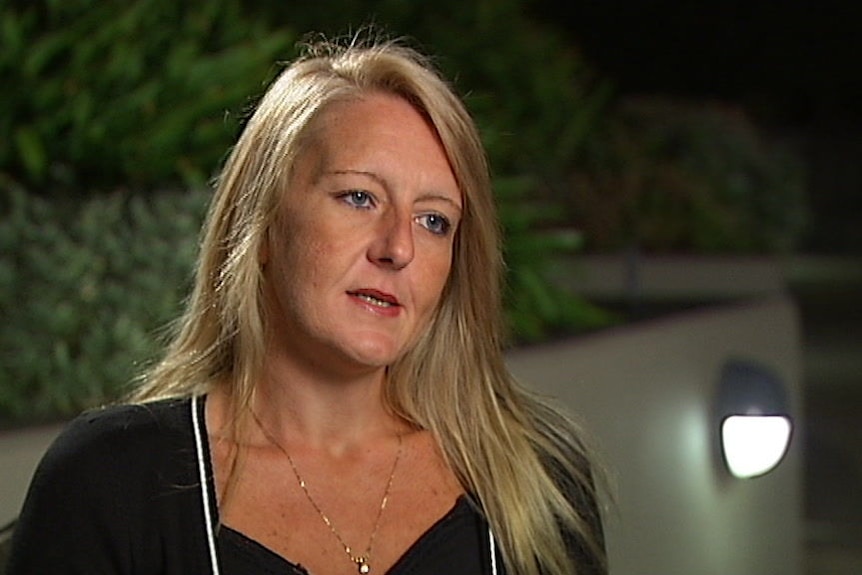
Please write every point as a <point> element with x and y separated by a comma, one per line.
<point>382,182</point>
<point>371,175</point>
<point>439,197</point>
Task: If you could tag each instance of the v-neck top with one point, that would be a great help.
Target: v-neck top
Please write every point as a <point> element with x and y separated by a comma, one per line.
<point>453,545</point>
<point>459,543</point>
<point>129,490</point>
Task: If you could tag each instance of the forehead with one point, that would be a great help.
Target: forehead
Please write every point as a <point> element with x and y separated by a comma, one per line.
<point>376,130</point>
<point>369,114</point>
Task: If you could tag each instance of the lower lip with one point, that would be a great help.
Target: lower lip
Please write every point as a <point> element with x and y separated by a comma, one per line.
<point>389,311</point>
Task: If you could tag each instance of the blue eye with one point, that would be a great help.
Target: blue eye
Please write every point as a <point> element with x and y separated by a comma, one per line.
<point>358,199</point>
<point>435,223</point>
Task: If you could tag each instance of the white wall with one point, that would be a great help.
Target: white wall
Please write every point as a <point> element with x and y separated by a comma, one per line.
<point>20,452</point>
<point>645,392</point>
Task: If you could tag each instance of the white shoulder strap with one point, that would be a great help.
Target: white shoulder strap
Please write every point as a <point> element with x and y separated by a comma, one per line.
<point>205,492</point>
<point>493,546</point>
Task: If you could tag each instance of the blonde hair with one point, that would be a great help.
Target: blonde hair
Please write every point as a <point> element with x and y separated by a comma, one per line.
<point>520,457</point>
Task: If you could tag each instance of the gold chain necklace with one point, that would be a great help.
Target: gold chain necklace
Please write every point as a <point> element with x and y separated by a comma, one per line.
<point>363,562</point>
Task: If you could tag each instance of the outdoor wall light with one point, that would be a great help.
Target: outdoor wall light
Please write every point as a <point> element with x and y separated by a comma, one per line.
<point>754,418</point>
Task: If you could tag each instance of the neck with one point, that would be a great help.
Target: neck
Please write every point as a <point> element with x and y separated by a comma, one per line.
<point>324,410</point>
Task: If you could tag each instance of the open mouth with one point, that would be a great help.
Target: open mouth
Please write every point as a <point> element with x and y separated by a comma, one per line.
<point>375,299</point>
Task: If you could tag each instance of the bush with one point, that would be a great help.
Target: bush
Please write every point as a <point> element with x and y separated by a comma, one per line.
<point>668,176</point>
<point>110,100</point>
<point>84,289</point>
<point>536,309</point>
<point>140,93</point>
<point>147,93</point>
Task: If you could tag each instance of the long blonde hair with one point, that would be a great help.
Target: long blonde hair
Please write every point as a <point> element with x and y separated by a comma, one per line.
<point>521,458</point>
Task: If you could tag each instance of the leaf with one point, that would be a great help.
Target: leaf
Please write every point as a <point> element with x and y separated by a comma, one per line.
<point>31,151</point>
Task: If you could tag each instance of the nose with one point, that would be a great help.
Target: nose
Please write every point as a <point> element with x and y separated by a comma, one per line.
<point>393,245</point>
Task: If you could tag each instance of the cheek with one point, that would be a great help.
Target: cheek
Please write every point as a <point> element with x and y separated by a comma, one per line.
<point>434,279</point>
<point>303,264</point>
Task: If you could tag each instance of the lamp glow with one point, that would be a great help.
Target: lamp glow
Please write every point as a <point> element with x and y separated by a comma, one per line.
<point>752,418</point>
<point>754,444</point>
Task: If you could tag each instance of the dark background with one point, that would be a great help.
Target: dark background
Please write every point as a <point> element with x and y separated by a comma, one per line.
<point>793,65</point>
<point>795,68</point>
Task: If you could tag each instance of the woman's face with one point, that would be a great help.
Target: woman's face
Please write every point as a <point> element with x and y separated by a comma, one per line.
<point>362,245</point>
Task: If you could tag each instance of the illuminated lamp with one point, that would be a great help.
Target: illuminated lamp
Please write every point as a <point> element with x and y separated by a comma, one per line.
<point>753,418</point>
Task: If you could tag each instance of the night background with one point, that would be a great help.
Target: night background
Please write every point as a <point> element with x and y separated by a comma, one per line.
<point>654,128</point>
<point>793,65</point>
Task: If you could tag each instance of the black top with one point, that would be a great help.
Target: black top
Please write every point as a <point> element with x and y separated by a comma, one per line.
<point>116,494</point>
<point>119,493</point>
<point>129,490</point>
<point>450,546</point>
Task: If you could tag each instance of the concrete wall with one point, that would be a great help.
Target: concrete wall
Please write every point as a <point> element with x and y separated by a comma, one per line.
<point>20,452</point>
<point>645,391</point>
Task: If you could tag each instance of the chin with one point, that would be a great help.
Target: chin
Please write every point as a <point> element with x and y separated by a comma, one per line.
<point>374,358</point>
<point>374,352</point>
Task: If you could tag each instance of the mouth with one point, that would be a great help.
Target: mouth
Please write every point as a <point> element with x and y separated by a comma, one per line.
<point>375,298</point>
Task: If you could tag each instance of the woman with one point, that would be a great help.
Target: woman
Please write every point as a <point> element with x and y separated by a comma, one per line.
<point>335,400</point>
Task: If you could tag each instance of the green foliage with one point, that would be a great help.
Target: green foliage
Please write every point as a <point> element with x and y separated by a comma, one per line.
<point>688,177</point>
<point>146,93</point>
<point>534,305</point>
<point>135,94</point>
<point>105,94</point>
<point>84,288</point>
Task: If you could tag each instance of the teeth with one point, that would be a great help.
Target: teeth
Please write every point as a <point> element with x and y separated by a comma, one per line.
<point>373,300</point>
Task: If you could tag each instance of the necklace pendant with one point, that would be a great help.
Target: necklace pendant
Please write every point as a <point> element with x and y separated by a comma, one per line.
<point>363,566</point>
